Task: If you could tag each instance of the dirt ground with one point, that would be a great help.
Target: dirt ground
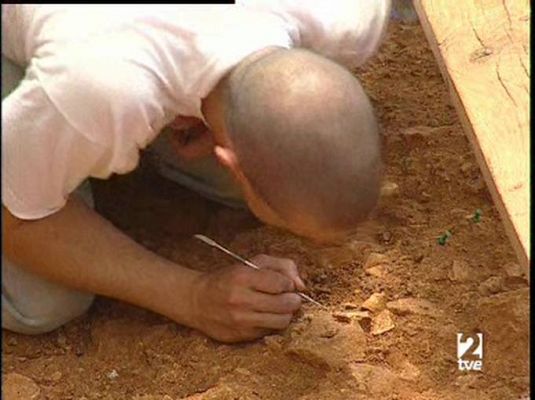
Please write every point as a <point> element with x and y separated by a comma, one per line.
<point>378,348</point>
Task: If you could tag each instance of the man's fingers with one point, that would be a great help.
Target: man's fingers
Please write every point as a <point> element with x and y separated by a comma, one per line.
<point>271,282</point>
<point>269,321</point>
<point>285,303</point>
<point>284,266</point>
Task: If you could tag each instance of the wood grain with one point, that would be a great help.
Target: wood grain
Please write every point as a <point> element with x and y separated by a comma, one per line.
<point>482,47</point>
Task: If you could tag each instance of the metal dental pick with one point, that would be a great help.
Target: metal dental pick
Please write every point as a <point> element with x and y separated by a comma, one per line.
<point>248,263</point>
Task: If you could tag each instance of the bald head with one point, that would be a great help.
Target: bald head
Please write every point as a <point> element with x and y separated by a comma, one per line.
<point>305,136</point>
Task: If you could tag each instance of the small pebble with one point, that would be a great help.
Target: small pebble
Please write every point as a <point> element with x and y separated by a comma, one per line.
<point>382,323</point>
<point>375,303</point>
<point>113,374</point>
<point>62,340</point>
<point>513,270</point>
<point>425,197</point>
<point>409,371</point>
<point>387,237</point>
<point>243,371</point>
<point>418,258</point>
<point>492,285</point>
<point>466,167</point>
<point>319,278</point>
<point>379,271</point>
<point>56,376</point>
<point>342,317</point>
<point>376,259</point>
<point>460,272</point>
<point>273,341</point>
<point>348,316</point>
<point>390,189</point>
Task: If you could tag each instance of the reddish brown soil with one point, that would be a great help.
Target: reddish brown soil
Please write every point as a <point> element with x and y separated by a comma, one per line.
<point>118,351</point>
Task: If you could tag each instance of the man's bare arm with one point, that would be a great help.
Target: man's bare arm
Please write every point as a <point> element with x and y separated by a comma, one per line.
<point>78,248</point>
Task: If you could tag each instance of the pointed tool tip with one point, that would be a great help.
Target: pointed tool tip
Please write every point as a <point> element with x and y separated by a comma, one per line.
<point>205,239</point>
<point>201,237</point>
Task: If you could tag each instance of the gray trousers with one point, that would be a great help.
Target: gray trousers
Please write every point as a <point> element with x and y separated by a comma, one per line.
<point>33,305</point>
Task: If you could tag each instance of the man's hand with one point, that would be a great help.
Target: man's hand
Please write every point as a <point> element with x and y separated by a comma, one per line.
<point>231,305</point>
<point>239,303</point>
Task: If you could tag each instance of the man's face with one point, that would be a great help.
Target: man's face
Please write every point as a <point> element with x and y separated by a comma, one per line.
<point>301,225</point>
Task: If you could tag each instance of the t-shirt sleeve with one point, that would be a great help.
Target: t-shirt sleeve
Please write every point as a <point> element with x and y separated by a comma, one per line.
<point>43,157</point>
<point>56,135</point>
<point>347,31</point>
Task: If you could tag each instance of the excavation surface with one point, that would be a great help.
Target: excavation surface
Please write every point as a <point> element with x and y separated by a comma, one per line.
<point>396,297</point>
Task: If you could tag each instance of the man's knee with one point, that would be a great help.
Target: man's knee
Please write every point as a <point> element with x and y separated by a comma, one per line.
<point>59,312</point>
<point>33,305</point>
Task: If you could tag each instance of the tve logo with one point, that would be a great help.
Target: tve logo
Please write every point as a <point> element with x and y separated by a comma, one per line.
<point>470,351</point>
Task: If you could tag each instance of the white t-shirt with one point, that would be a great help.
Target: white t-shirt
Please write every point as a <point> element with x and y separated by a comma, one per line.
<point>103,80</point>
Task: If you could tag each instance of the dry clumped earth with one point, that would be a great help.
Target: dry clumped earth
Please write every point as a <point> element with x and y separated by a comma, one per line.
<point>396,298</point>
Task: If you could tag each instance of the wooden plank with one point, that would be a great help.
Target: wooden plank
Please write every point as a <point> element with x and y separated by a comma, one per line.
<point>482,47</point>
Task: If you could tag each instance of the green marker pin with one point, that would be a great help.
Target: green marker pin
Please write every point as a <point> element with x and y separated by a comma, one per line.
<point>477,216</point>
<point>442,239</point>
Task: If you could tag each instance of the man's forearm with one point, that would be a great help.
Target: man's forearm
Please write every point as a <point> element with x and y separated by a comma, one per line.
<point>78,248</point>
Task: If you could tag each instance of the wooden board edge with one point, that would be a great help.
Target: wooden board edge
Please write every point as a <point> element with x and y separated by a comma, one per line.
<point>510,229</point>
